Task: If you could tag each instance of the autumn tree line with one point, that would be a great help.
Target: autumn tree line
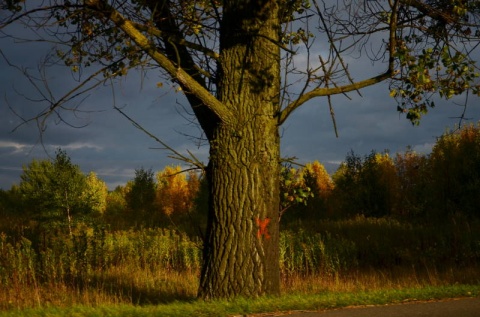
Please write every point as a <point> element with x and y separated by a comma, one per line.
<point>55,194</point>
<point>63,232</point>
<point>407,186</point>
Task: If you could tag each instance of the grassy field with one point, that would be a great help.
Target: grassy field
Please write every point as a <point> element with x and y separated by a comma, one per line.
<point>154,272</point>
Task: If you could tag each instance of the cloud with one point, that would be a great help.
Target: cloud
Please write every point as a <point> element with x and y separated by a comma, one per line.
<point>79,146</point>
<point>9,168</point>
<point>18,147</point>
<point>425,148</point>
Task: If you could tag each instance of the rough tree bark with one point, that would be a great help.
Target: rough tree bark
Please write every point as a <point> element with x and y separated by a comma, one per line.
<point>241,252</point>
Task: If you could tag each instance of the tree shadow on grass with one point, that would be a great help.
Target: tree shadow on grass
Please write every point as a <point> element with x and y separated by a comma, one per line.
<point>152,293</point>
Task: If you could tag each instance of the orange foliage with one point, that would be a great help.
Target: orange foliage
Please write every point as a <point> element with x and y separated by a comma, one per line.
<point>324,183</point>
<point>176,192</point>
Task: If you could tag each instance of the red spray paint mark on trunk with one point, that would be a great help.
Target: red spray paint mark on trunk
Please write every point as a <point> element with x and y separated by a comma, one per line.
<point>263,227</point>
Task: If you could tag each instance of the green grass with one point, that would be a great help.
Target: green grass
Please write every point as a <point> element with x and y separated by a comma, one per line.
<point>289,302</point>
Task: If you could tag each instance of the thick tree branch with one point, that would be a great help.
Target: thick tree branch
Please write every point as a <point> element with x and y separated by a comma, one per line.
<point>323,91</point>
<point>172,36</point>
<point>180,41</point>
<point>191,86</point>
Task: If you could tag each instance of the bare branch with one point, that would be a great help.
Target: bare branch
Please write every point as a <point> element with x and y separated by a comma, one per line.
<point>192,160</point>
<point>329,86</point>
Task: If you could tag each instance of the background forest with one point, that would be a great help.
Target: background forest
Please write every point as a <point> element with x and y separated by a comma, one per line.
<point>381,219</point>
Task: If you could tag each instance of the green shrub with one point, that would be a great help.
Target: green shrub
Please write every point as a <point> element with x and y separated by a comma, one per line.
<point>73,260</point>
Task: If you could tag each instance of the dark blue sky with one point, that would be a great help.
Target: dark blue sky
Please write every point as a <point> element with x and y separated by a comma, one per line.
<point>111,147</point>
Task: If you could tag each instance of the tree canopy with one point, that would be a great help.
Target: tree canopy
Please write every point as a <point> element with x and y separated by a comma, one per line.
<point>425,47</point>
<point>55,191</point>
<point>245,67</point>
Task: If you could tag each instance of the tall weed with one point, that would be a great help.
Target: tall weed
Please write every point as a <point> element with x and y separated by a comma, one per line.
<point>94,265</point>
<point>305,253</point>
<point>90,256</point>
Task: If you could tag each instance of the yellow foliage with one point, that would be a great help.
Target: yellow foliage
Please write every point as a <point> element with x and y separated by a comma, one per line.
<point>323,180</point>
<point>96,193</point>
<point>452,143</point>
<point>176,192</point>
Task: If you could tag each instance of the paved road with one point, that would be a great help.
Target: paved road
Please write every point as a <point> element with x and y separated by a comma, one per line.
<point>465,307</point>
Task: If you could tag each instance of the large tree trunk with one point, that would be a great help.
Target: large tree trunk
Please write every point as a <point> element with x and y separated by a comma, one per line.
<point>241,251</point>
<point>241,255</point>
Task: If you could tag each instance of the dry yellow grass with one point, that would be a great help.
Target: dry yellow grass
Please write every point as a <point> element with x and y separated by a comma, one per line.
<point>370,280</point>
<point>123,285</point>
